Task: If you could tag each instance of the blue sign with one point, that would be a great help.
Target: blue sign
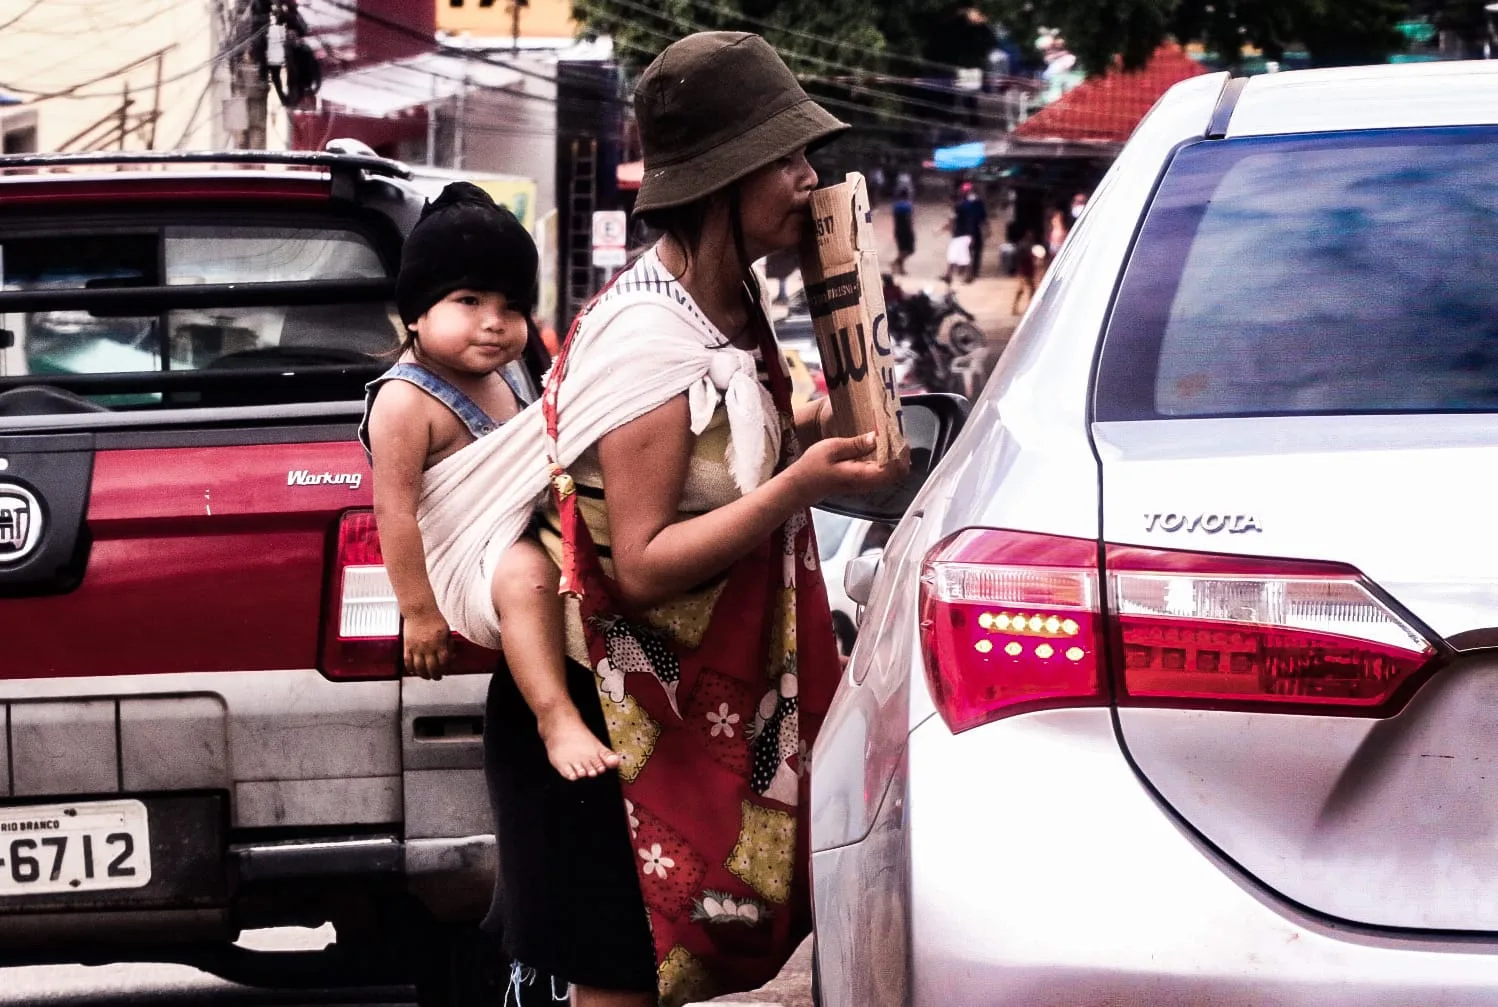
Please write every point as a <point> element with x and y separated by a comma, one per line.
<point>963,157</point>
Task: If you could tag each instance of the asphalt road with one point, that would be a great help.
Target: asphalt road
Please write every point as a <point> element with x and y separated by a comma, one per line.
<point>143,985</point>
<point>140,985</point>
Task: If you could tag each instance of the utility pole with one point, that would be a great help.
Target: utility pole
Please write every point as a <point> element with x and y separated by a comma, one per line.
<point>516,6</point>
<point>257,87</point>
<point>249,89</point>
<point>460,122</point>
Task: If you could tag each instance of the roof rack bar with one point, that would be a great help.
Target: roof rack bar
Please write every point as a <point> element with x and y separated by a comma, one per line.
<point>125,300</point>
<point>1227,100</point>
<point>295,158</point>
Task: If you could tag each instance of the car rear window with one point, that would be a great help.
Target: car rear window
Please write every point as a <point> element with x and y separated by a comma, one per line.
<point>320,304</point>
<point>1338,273</point>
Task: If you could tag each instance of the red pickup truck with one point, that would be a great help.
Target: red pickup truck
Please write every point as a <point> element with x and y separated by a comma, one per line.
<point>203,726</point>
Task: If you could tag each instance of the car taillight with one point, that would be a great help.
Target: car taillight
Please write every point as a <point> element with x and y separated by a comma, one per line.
<point>1013,621</point>
<point>1225,632</point>
<point>363,625</point>
<point>1009,623</point>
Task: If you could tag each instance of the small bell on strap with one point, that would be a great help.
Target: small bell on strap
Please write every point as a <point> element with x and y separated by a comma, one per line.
<point>564,490</point>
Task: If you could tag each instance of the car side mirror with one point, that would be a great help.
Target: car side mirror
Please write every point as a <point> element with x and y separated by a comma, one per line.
<point>932,423</point>
<point>858,576</point>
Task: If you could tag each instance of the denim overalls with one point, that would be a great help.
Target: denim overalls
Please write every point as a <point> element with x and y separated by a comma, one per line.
<point>465,409</point>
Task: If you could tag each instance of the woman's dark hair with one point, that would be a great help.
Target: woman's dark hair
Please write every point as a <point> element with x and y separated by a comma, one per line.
<point>686,223</point>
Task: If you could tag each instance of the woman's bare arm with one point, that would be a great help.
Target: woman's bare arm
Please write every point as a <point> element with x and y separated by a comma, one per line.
<point>657,557</point>
<point>813,421</point>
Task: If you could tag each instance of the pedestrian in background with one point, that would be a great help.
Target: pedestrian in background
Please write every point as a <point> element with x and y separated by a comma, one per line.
<point>959,251</point>
<point>904,214</point>
<point>971,222</point>
<point>1029,263</point>
<point>1056,232</point>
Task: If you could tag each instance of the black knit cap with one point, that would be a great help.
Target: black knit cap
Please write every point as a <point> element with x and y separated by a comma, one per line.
<point>465,241</point>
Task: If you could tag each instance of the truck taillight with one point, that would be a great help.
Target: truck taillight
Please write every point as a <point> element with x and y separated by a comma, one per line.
<point>363,634</point>
<point>1262,634</point>
<point>1009,623</point>
<point>363,625</point>
<point>1014,621</point>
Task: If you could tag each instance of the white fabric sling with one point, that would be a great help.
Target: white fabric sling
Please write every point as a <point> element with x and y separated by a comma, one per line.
<point>643,343</point>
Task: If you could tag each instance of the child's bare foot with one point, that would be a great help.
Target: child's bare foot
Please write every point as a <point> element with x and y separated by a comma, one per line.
<point>572,748</point>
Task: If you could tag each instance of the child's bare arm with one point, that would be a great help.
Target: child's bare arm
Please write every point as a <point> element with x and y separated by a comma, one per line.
<point>400,438</point>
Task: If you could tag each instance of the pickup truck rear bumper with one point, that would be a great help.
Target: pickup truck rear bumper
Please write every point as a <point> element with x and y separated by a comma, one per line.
<point>452,878</point>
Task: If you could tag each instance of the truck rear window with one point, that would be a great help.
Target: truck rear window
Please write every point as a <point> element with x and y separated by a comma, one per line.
<point>1338,273</point>
<point>102,315</point>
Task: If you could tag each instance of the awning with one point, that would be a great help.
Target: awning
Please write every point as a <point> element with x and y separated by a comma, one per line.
<point>963,157</point>
<point>629,175</point>
<point>398,86</point>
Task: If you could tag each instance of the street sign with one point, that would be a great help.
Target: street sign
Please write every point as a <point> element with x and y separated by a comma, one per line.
<point>610,228</point>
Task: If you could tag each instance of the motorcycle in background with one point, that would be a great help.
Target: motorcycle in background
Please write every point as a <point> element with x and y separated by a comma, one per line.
<point>933,338</point>
<point>930,334</point>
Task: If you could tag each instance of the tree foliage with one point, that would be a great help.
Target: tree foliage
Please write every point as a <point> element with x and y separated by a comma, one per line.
<point>908,37</point>
<point>912,36</point>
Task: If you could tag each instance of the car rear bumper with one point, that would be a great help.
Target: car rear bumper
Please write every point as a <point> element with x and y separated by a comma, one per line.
<point>1024,863</point>
<point>261,884</point>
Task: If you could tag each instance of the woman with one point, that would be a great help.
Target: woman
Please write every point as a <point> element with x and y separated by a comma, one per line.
<point>1029,264</point>
<point>699,642</point>
<point>1056,232</point>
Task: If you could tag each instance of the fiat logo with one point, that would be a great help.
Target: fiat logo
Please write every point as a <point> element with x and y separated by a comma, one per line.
<point>20,523</point>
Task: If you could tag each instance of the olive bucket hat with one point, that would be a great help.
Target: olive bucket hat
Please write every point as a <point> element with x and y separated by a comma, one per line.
<point>716,107</point>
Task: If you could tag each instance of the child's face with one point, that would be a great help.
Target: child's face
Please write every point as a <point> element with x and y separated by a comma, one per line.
<point>471,331</point>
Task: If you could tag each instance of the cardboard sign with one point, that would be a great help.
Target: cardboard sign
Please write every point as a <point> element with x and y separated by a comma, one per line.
<point>845,295</point>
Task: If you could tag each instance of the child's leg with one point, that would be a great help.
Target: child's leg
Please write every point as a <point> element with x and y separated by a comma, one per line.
<point>524,591</point>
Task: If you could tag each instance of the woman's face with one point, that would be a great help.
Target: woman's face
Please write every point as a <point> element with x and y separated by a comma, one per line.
<point>774,204</point>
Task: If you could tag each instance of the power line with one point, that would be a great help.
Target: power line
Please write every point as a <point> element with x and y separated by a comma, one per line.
<point>823,39</point>
<point>857,88</point>
<point>458,51</point>
<point>486,58</point>
<point>21,16</point>
<point>692,25</point>
<point>192,120</point>
<point>72,92</point>
<point>92,24</point>
<point>849,106</point>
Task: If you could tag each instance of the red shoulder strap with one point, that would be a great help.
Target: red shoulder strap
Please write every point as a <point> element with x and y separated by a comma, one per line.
<point>577,544</point>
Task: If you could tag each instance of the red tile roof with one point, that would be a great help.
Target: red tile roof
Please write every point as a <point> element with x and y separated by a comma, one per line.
<point>1110,106</point>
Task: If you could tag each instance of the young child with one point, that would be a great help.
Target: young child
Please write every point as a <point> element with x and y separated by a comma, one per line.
<point>466,290</point>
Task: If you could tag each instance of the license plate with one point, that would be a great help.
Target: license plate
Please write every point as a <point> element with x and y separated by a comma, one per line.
<point>85,847</point>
